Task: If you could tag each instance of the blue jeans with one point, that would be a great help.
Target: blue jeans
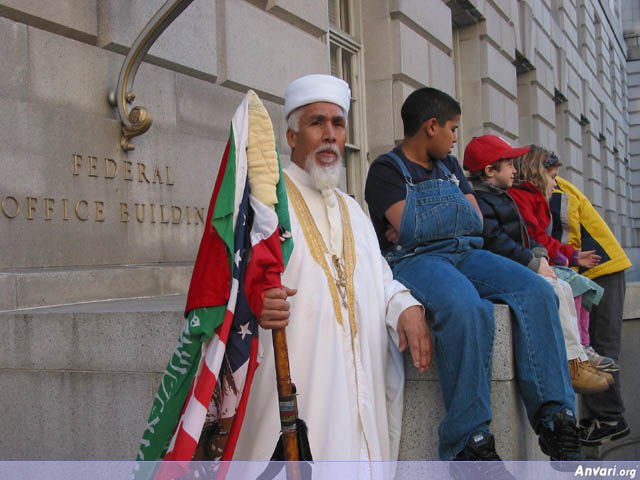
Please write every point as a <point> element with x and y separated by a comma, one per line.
<point>458,288</point>
<point>439,260</point>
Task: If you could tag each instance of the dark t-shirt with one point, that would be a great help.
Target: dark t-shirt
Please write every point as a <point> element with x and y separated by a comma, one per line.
<point>386,185</point>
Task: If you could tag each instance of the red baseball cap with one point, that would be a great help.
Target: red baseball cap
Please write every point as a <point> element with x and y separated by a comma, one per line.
<point>487,149</point>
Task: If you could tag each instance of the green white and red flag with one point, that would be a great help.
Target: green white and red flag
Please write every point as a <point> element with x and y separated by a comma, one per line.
<point>240,256</point>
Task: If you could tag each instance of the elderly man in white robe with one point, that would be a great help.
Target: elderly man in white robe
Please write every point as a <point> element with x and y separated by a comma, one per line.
<point>346,317</point>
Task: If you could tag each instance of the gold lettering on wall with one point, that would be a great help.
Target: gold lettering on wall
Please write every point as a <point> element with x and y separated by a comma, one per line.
<point>124,212</point>
<point>199,214</point>
<point>162,220</point>
<point>76,163</point>
<point>139,217</point>
<point>16,207</point>
<point>48,208</point>
<point>156,174</point>
<point>175,209</point>
<point>99,211</point>
<point>107,163</point>
<point>86,210</point>
<point>113,167</point>
<point>51,208</point>
<point>92,166</point>
<point>141,174</point>
<point>31,206</point>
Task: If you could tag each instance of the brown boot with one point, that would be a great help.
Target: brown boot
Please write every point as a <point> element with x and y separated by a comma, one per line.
<point>592,368</point>
<point>583,380</point>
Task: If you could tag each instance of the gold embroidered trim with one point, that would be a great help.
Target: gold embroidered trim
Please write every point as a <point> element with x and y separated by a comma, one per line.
<point>318,250</point>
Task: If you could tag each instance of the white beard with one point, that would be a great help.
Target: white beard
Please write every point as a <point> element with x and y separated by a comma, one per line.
<point>324,177</point>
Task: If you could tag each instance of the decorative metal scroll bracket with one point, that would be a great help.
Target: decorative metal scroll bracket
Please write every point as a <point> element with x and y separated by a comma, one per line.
<point>138,120</point>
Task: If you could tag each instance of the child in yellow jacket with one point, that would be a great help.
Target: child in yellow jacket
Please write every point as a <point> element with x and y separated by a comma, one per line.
<point>578,223</point>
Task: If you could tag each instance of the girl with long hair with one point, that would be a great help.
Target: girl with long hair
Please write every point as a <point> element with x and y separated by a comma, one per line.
<point>534,183</point>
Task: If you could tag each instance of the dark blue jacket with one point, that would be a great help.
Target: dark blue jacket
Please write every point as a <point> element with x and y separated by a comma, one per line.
<point>504,231</point>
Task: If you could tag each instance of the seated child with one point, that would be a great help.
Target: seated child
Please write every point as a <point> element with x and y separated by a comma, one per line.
<point>570,209</point>
<point>419,190</point>
<point>535,181</point>
<point>490,161</point>
<point>577,222</point>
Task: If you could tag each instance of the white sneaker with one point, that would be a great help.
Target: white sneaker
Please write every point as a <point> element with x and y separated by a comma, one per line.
<point>602,363</point>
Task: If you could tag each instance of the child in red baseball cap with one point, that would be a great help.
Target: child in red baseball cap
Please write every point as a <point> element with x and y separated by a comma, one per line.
<point>490,160</point>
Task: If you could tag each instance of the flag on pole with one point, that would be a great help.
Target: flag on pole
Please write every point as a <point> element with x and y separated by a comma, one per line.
<point>241,255</point>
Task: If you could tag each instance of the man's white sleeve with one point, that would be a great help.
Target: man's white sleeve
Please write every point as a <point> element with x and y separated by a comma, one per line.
<point>397,299</point>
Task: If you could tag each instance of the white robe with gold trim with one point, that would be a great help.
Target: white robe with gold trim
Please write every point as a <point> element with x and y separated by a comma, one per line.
<point>350,398</point>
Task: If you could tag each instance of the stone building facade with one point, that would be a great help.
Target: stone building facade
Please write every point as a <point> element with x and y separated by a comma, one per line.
<point>552,72</point>
<point>81,220</point>
<point>631,29</point>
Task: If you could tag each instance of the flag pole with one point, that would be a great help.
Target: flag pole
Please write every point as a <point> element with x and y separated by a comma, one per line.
<point>286,395</point>
<point>288,405</point>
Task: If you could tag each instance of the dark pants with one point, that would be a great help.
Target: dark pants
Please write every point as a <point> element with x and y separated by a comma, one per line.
<point>605,328</point>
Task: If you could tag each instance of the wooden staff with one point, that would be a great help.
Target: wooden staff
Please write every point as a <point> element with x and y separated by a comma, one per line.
<point>286,396</point>
<point>288,405</point>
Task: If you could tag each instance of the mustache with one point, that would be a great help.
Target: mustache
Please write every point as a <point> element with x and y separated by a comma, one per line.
<point>328,147</point>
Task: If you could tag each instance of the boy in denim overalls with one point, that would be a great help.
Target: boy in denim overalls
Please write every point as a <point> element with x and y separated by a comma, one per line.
<point>430,230</point>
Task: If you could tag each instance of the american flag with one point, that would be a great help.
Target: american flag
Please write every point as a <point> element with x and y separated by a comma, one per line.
<point>235,345</point>
<point>240,256</point>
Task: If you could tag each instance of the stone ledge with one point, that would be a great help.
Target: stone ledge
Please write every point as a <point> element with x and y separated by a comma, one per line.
<point>189,44</point>
<point>39,288</point>
<point>74,19</point>
<point>109,342</point>
<point>73,415</point>
<point>502,353</point>
<point>424,408</point>
<point>67,362</point>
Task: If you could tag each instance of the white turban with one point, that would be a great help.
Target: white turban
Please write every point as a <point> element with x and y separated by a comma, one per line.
<point>316,88</point>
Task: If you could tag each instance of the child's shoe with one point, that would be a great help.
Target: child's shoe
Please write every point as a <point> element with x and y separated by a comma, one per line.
<point>607,376</point>
<point>479,460</point>
<point>585,381</point>
<point>593,431</point>
<point>602,363</point>
<point>561,440</point>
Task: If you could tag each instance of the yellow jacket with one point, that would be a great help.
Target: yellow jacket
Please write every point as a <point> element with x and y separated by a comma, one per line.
<point>578,223</point>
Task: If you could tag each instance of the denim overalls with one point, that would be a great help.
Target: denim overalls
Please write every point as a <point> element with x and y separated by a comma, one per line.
<point>439,257</point>
<point>437,217</point>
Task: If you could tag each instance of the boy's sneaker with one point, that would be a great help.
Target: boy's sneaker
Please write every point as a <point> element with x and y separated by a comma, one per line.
<point>584,380</point>
<point>602,363</point>
<point>594,432</point>
<point>562,440</point>
<point>479,460</point>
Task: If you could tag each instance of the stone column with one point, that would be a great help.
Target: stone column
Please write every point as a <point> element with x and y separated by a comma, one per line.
<point>485,44</point>
<point>407,47</point>
<point>631,25</point>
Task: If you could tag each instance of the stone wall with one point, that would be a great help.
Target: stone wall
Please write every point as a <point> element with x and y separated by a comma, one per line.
<point>86,375</point>
<point>544,71</point>
<point>71,197</point>
<point>631,28</point>
<point>533,71</point>
<point>73,203</point>
<point>80,220</point>
<point>78,382</point>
